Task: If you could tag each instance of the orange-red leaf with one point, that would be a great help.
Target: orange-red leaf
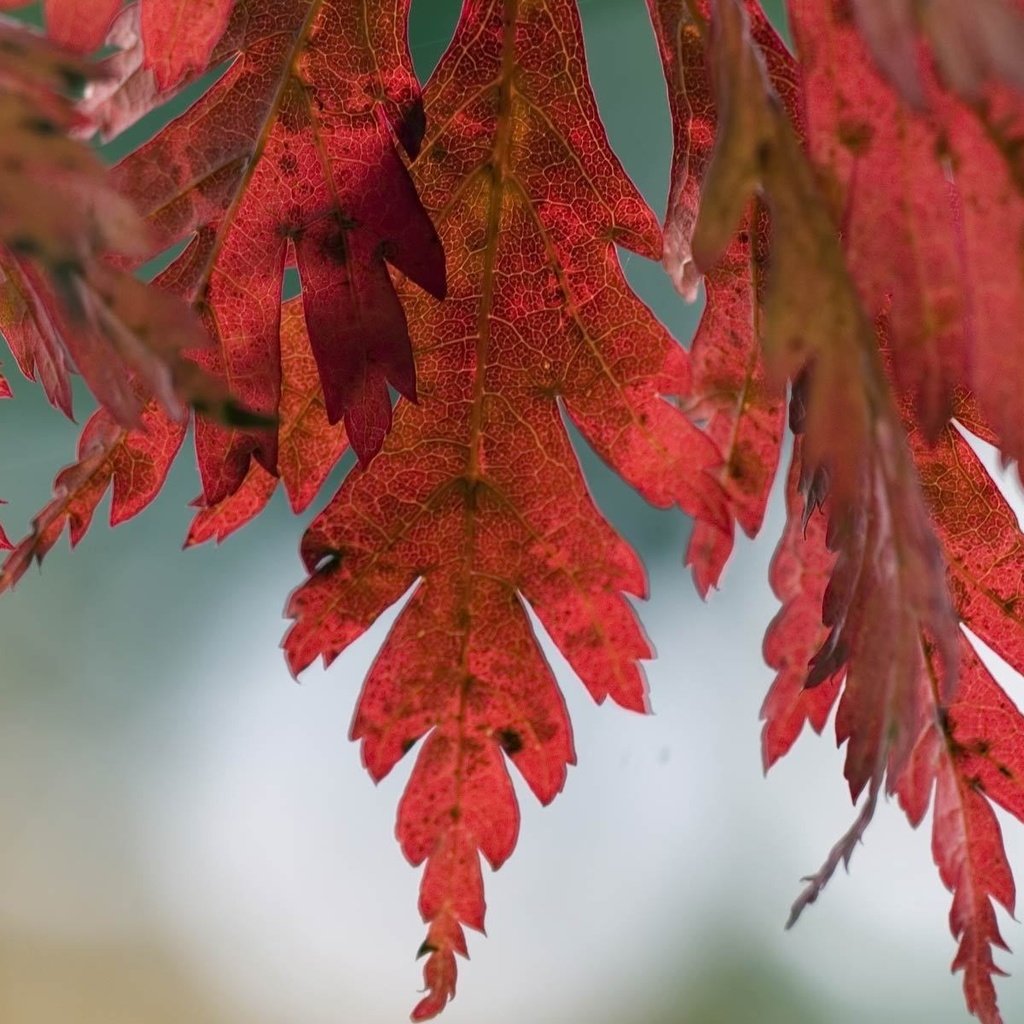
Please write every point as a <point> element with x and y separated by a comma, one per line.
<point>78,25</point>
<point>887,583</point>
<point>179,35</point>
<point>799,577</point>
<point>292,155</point>
<point>64,305</point>
<point>973,755</point>
<point>931,203</point>
<point>476,506</point>
<point>308,445</point>
<point>135,462</point>
<point>743,413</point>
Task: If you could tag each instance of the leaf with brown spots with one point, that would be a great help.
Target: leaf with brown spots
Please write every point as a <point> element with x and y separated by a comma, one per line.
<point>64,303</point>
<point>972,753</point>
<point>476,507</point>
<point>292,156</point>
<point>931,200</point>
<point>743,412</point>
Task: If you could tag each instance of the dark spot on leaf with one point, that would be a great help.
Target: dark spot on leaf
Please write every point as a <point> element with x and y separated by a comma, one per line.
<point>384,250</point>
<point>292,231</point>
<point>427,948</point>
<point>23,245</point>
<point>510,740</point>
<point>1005,771</point>
<point>232,413</point>
<point>40,125</point>
<point>411,128</point>
<point>407,745</point>
<point>856,136</point>
<point>335,245</point>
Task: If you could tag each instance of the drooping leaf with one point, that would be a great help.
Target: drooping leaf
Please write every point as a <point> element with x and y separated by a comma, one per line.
<point>64,305</point>
<point>931,200</point>
<point>132,462</point>
<point>292,155</point>
<point>886,584</point>
<point>476,503</point>
<point>308,445</point>
<point>743,413</point>
<point>799,576</point>
<point>969,751</point>
<point>971,754</point>
<point>178,35</point>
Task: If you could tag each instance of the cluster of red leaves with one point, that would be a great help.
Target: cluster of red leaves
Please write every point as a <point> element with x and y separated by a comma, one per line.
<point>851,220</point>
<point>66,232</point>
<point>868,273</point>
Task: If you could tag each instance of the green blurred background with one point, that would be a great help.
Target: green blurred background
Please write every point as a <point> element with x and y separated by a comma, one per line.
<point>188,836</point>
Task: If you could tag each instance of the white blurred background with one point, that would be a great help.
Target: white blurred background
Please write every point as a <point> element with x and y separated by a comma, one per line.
<point>188,836</point>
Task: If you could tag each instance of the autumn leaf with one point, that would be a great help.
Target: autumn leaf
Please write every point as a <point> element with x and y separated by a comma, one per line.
<point>291,156</point>
<point>179,35</point>
<point>476,503</point>
<point>974,44</point>
<point>886,583</point>
<point>968,750</point>
<point>730,393</point>
<point>799,575</point>
<point>65,303</point>
<point>308,445</point>
<point>976,748</point>
<point>930,201</point>
<point>855,214</point>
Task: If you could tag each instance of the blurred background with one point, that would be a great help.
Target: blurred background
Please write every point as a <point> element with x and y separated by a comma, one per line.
<point>187,835</point>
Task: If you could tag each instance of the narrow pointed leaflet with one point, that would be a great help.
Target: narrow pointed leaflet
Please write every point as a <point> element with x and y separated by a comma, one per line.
<point>476,505</point>
<point>743,412</point>
<point>291,156</point>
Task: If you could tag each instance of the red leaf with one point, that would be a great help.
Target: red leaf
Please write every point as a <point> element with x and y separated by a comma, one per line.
<point>64,304</point>
<point>973,43</point>
<point>136,462</point>
<point>476,503</point>
<point>292,155</point>
<point>179,35</point>
<point>308,445</point>
<point>930,202</point>
<point>983,544</point>
<point>78,25</point>
<point>887,583</point>
<point>744,414</point>
<point>974,758</point>
<point>799,576</point>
